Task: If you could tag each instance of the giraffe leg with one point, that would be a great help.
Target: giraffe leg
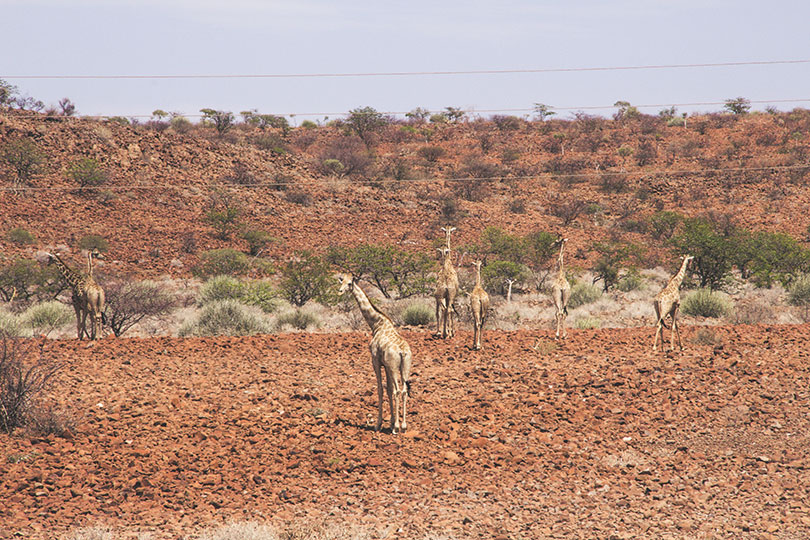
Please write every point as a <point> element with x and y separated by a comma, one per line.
<point>658,332</point>
<point>391,391</point>
<point>378,374</point>
<point>79,329</point>
<point>676,328</point>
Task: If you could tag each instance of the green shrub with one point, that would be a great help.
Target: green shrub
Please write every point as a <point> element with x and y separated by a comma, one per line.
<point>298,319</point>
<point>257,240</point>
<point>217,262</point>
<point>21,236</point>
<point>706,303</point>
<point>87,173</point>
<point>582,293</point>
<point>222,287</point>
<point>260,294</point>
<point>225,317</point>
<point>418,315</point>
<point>47,317</point>
<point>630,281</point>
<point>94,241</point>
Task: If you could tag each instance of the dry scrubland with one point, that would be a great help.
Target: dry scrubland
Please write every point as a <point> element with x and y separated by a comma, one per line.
<point>596,437</point>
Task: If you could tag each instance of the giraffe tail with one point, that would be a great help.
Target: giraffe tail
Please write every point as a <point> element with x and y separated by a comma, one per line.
<point>663,322</point>
<point>408,388</point>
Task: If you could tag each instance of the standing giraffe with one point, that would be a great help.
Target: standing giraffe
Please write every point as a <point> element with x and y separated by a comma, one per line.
<point>561,293</point>
<point>668,302</point>
<point>479,305</point>
<point>94,295</point>
<point>85,292</point>
<point>446,290</point>
<point>389,351</point>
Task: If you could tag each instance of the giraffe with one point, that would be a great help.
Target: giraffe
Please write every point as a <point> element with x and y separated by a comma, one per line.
<point>86,296</point>
<point>479,305</point>
<point>76,282</point>
<point>94,295</point>
<point>446,290</point>
<point>668,302</point>
<point>561,293</point>
<point>389,351</point>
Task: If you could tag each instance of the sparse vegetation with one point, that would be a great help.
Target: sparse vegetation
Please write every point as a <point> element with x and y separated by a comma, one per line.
<point>221,262</point>
<point>706,303</point>
<point>226,318</point>
<point>24,158</point>
<point>47,317</point>
<point>131,302</point>
<point>298,319</point>
<point>582,294</point>
<point>88,173</point>
<point>25,374</point>
<point>94,241</point>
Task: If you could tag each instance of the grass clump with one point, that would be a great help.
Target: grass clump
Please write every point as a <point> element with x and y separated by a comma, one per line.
<point>217,262</point>
<point>9,324</point>
<point>706,303</point>
<point>418,315</point>
<point>225,318</point>
<point>297,319</point>
<point>582,294</point>
<point>587,323</point>
<point>799,291</point>
<point>630,282</point>
<point>47,317</point>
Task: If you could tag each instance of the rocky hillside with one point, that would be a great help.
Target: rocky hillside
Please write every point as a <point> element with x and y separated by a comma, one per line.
<point>394,183</point>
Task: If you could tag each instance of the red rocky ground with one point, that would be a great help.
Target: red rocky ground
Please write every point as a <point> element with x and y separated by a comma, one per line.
<point>598,438</point>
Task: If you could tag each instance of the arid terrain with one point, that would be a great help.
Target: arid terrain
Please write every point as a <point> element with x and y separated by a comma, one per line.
<point>594,438</point>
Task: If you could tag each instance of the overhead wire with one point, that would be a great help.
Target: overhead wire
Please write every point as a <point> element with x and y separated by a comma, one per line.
<point>419,73</point>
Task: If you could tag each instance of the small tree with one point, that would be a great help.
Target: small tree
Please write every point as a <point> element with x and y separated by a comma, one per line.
<point>712,251</point>
<point>8,93</point>
<point>543,111</point>
<point>502,275</point>
<point>67,107</point>
<point>307,277</point>
<point>366,122</point>
<point>223,121</point>
<point>223,213</point>
<point>131,302</point>
<point>613,257</point>
<point>738,106</point>
<point>221,262</point>
<point>257,240</point>
<point>23,156</point>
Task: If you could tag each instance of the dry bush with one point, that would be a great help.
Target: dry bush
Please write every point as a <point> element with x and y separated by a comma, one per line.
<point>25,374</point>
<point>131,302</point>
<point>567,209</point>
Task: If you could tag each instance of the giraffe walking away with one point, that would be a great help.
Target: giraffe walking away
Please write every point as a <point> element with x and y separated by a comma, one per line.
<point>446,290</point>
<point>389,351</point>
<point>479,305</point>
<point>668,303</point>
<point>561,294</point>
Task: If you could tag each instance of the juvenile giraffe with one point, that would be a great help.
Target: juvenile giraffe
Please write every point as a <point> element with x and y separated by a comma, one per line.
<point>389,351</point>
<point>561,293</point>
<point>94,295</point>
<point>668,302</point>
<point>479,305</point>
<point>446,290</point>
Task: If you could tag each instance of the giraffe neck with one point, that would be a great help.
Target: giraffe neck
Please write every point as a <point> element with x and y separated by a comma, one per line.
<point>678,278</point>
<point>72,277</point>
<point>448,264</point>
<point>90,265</point>
<point>372,315</point>
<point>561,268</point>
<point>478,276</point>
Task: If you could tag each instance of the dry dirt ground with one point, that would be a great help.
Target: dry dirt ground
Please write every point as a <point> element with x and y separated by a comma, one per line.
<point>595,438</point>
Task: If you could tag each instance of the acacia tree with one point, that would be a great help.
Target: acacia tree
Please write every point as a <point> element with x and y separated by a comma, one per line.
<point>366,122</point>
<point>738,105</point>
<point>390,268</point>
<point>222,120</point>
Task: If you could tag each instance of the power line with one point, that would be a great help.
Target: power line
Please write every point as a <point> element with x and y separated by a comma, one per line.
<point>596,175</point>
<point>417,73</point>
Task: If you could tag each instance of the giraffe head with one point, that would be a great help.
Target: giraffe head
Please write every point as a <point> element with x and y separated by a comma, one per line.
<point>477,264</point>
<point>444,253</point>
<point>345,282</point>
<point>95,254</point>
<point>447,230</point>
<point>687,259</point>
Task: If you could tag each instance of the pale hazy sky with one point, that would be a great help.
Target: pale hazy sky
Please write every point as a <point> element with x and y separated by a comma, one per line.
<point>266,37</point>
